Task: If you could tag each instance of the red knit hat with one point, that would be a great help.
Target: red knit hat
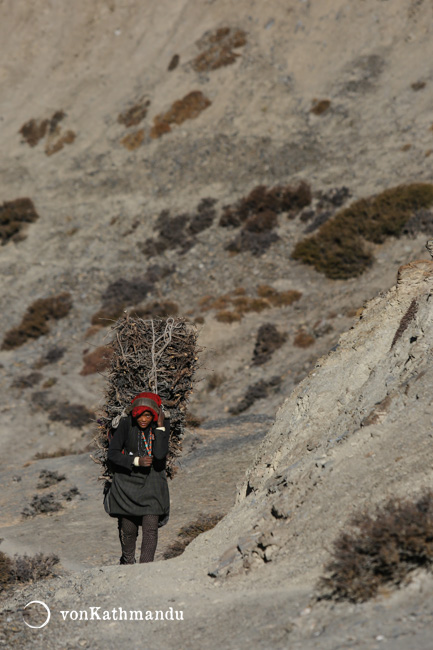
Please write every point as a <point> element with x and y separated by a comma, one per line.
<point>145,402</point>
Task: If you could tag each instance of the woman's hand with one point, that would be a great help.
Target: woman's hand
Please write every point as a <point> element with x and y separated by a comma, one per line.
<point>145,461</point>
<point>161,417</point>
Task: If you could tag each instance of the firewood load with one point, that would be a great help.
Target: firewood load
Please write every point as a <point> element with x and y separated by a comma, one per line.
<point>157,355</point>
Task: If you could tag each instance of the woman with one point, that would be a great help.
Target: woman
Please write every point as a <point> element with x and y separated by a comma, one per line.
<point>139,492</point>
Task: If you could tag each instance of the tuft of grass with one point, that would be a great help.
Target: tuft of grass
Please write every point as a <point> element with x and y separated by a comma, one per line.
<point>187,108</point>
<point>36,320</point>
<point>189,532</point>
<point>13,216</point>
<point>380,549</point>
<point>338,249</point>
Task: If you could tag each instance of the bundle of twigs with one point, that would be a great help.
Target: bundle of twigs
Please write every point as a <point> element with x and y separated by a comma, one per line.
<point>154,355</point>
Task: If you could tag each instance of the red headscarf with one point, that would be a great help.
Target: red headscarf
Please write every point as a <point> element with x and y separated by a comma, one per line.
<point>146,402</point>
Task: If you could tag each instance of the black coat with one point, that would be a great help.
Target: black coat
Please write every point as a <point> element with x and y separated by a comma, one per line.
<point>138,491</point>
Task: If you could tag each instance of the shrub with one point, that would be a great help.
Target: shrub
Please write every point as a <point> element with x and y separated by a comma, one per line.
<point>25,569</point>
<point>74,415</point>
<point>52,355</point>
<point>225,316</point>
<point>268,340</point>
<point>259,390</point>
<point>35,322</point>
<point>66,138</point>
<point>303,340</point>
<point>135,114</point>
<point>132,141</point>
<point>174,62</point>
<point>261,199</point>
<point>187,108</point>
<point>48,478</point>
<point>187,533</point>
<point>27,381</point>
<point>217,48</point>
<point>13,216</point>
<point>338,249</point>
<point>382,548</point>
<point>42,505</point>
<point>157,309</point>
<point>320,106</point>
<point>34,130</point>
<point>97,361</point>
<point>243,304</point>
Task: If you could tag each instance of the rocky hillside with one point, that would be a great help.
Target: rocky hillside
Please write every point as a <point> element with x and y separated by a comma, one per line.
<point>176,159</point>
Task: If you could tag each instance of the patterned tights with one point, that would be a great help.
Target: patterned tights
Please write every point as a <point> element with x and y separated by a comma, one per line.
<point>128,533</point>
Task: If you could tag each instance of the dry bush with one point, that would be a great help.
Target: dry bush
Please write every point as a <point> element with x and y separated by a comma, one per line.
<point>228,316</point>
<point>74,415</point>
<point>121,293</point>
<point>27,381</point>
<point>23,568</point>
<point>180,231</point>
<point>13,216</point>
<point>259,390</point>
<point>58,453</point>
<point>67,138</point>
<point>187,533</point>
<point>319,106</point>
<point>157,309</point>
<point>338,249</point>
<point>36,320</point>
<point>52,355</point>
<point>258,212</point>
<point>241,304</point>
<point>256,243</point>
<point>268,340</point>
<point>135,114</point>
<point>174,62</point>
<point>193,421</point>
<point>214,381</point>
<point>266,200</point>
<point>278,298</point>
<point>35,130</point>
<point>217,48</point>
<point>42,505</point>
<point>303,340</point>
<point>381,549</point>
<point>187,108</point>
<point>418,85</point>
<point>420,222</point>
<point>47,478</point>
<point>96,361</point>
<point>132,141</point>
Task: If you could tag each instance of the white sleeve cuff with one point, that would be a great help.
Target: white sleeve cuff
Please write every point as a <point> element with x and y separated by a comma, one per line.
<point>136,461</point>
<point>160,428</point>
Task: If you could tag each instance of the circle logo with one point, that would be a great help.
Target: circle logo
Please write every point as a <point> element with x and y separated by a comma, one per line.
<point>39,602</point>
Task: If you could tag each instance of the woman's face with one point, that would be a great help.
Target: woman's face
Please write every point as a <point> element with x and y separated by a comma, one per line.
<point>144,419</point>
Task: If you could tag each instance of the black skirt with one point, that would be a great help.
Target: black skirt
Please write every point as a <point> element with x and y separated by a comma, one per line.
<point>142,492</point>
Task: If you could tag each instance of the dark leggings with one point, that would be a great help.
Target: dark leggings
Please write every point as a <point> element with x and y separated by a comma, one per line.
<point>128,533</point>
